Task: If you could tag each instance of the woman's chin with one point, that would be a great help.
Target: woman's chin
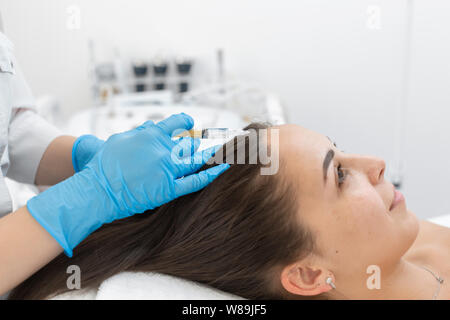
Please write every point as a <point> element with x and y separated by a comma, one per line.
<point>410,225</point>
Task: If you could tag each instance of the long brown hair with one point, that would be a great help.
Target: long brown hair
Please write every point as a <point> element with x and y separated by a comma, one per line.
<point>234,235</point>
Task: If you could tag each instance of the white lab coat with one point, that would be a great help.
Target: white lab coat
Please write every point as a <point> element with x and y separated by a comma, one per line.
<point>24,135</point>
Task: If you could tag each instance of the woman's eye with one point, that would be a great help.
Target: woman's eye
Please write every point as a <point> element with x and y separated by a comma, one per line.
<point>341,175</point>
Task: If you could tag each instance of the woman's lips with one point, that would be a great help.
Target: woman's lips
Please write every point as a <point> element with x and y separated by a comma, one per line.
<point>398,198</point>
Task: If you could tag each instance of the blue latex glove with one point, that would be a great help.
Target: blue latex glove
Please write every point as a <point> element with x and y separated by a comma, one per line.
<point>132,172</point>
<point>84,149</point>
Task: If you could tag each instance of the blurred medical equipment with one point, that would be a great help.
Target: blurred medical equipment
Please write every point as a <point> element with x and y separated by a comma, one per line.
<point>249,101</point>
<point>127,93</point>
<point>105,121</point>
<point>110,120</point>
<point>225,104</point>
<point>118,75</point>
<point>117,82</point>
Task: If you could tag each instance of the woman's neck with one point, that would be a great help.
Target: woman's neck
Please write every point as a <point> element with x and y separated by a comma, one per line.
<point>412,281</point>
<point>406,281</point>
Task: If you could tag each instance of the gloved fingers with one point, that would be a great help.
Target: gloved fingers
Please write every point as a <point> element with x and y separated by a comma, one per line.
<point>198,181</point>
<point>176,124</point>
<point>193,163</point>
<point>145,125</point>
<point>84,149</point>
<point>185,147</point>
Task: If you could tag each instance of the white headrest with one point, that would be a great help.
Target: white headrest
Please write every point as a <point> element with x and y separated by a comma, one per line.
<point>155,286</point>
<point>147,286</point>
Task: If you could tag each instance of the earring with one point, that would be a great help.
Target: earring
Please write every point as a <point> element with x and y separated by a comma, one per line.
<point>329,281</point>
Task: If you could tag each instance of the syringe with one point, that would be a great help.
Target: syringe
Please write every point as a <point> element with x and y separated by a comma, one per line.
<point>213,133</point>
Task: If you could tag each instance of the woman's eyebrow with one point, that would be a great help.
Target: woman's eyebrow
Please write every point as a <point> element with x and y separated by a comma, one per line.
<point>326,163</point>
<point>334,143</point>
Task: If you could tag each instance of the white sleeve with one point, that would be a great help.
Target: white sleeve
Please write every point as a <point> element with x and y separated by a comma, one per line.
<point>29,137</point>
<point>28,134</point>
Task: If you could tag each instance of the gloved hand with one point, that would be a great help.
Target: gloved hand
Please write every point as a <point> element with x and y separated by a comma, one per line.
<point>132,172</point>
<point>84,149</point>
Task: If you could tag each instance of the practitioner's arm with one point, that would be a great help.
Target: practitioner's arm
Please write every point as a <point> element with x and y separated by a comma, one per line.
<point>56,163</point>
<point>25,247</point>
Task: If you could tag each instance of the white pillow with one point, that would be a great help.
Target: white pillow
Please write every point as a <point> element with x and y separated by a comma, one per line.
<point>443,220</point>
<point>140,285</point>
<point>148,286</point>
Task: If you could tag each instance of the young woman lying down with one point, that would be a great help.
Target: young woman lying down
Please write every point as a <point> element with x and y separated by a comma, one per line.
<point>327,225</point>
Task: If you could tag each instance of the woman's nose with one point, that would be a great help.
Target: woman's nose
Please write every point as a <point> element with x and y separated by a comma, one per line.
<point>375,169</point>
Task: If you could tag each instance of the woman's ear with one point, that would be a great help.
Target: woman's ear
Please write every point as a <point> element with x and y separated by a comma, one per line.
<point>300,279</point>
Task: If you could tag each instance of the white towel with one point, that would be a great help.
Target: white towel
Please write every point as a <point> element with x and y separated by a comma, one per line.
<point>147,286</point>
<point>443,220</point>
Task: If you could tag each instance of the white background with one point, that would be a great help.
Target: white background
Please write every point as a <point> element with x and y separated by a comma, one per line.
<point>334,74</point>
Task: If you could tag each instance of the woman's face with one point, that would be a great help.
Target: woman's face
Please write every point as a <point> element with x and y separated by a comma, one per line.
<point>346,202</point>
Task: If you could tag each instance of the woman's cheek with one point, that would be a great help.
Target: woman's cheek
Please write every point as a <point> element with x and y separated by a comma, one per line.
<point>367,215</point>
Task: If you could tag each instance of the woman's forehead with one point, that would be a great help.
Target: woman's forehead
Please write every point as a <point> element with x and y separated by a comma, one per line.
<point>303,152</point>
<point>301,143</point>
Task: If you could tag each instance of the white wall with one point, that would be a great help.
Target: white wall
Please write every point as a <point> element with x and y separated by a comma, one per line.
<point>334,74</point>
<point>428,174</point>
